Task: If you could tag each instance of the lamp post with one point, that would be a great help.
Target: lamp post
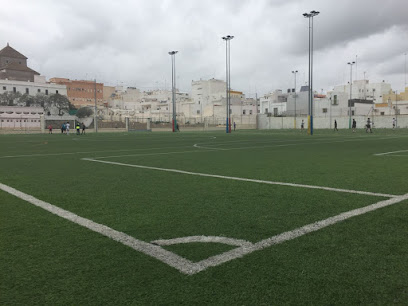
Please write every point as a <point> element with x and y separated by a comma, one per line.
<point>294,73</point>
<point>173,87</point>
<point>95,111</point>
<point>396,108</point>
<point>228,81</point>
<point>405,70</point>
<point>310,104</point>
<point>351,87</point>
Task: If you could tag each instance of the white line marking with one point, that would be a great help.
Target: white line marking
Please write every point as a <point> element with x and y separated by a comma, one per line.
<point>155,251</point>
<point>243,179</point>
<point>215,149</point>
<point>208,148</point>
<point>286,236</point>
<point>392,152</point>
<point>204,239</point>
<point>186,266</point>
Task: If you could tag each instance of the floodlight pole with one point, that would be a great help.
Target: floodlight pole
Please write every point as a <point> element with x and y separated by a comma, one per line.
<point>228,81</point>
<point>95,116</point>
<point>351,88</point>
<point>294,73</point>
<point>310,17</point>
<point>173,88</point>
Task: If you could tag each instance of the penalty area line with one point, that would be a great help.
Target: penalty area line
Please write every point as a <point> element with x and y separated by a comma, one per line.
<point>243,179</point>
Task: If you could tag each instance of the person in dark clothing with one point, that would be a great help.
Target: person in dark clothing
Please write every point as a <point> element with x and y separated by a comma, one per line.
<point>354,125</point>
<point>83,128</point>
<point>335,125</point>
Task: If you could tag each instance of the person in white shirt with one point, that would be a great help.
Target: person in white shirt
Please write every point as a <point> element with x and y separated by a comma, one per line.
<point>67,127</point>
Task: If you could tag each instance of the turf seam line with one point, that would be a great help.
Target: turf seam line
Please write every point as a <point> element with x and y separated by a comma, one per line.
<point>243,179</point>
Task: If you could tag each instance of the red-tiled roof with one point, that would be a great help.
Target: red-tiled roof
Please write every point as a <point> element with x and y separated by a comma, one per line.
<point>18,67</point>
<point>10,52</point>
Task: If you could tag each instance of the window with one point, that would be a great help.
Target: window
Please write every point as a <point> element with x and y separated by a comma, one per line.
<point>27,91</point>
<point>335,100</point>
<point>198,112</point>
<point>14,89</point>
<point>250,112</point>
<point>244,112</point>
<point>4,88</point>
<point>324,110</point>
<point>56,91</point>
<point>46,92</point>
<point>38,90</point>
<point>382,113</point>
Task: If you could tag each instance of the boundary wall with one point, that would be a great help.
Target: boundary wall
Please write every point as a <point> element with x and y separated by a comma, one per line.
<point>381,122</point>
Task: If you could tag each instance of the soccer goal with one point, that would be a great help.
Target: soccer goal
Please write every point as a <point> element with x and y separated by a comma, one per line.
<point>138,124</point>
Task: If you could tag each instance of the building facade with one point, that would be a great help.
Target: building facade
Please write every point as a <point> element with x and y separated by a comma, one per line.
<point>13,66</point>
<point>81,93</point>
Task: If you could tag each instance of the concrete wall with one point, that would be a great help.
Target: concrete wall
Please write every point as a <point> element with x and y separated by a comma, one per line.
<point>265,122</point>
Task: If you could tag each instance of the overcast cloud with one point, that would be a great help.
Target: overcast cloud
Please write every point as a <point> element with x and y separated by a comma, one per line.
<point>126,42</point>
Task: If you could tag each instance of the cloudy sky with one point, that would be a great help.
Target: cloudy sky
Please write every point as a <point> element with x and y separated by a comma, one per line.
<point>126,42</point>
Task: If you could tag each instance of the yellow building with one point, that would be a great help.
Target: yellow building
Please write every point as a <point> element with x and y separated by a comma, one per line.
<point>392,96</point>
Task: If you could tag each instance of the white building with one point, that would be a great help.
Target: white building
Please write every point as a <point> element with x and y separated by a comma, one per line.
<point>39,86</point>
<point>274,103</point>
<point>20,118</point>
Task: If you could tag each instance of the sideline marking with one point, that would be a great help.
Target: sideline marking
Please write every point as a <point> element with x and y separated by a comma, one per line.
<point>173,260</point>
<point>243,179</point>
<point>392,152</point>
<point>184,265</point>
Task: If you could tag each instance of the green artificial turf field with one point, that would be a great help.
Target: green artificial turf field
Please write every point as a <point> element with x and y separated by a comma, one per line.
<point>204,218</point>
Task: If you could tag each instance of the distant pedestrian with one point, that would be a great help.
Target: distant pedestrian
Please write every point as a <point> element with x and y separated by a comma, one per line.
<point>368,126</point>
<point>235,126</point>
<point>83,128</point>
<point>394,123</point>
<point>63,128</point>
<point>67,127</point>
<point>354,125</point>
<point>302,125</point>
<point>177,127</point>
<point>78,127</point>
<point>50,129</point>
<point>335,125</point>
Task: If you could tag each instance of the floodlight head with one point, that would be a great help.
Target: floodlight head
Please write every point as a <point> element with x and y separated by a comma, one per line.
<point>173,52</point>
<point>306,15</point>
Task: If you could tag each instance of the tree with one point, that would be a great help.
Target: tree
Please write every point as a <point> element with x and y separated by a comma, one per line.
<point>84,112</point>
<point>26,100</point>
<point>9,98</point>
<point>58,101</point>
